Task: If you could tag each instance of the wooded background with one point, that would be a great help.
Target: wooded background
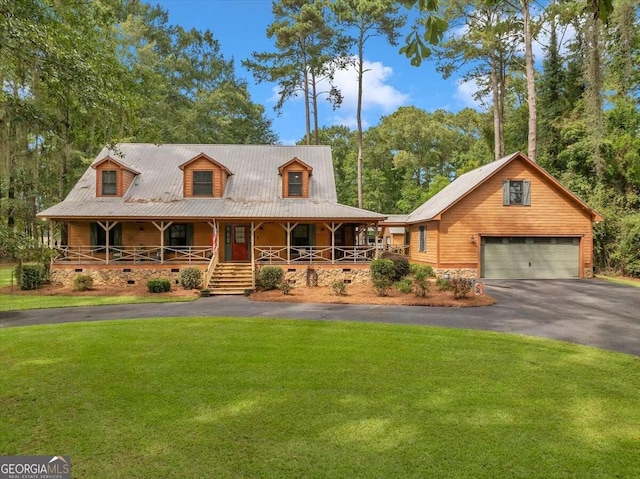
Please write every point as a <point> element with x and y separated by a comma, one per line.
<point>77,75</point>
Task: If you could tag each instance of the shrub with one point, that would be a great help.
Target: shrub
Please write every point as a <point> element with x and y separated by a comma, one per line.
<point>443,284</point>
<point>270,277</point>
<point>31,276</point>
<point>421,284</point>
<point>461,287</point>
<point>339,288</point>
<point>422,269</point>
<point>190,278</point>
<point>285,287</point>
<point>82,282</point>
<point>401,267</point>
<point>381,285</point>
<point>405,285</point>
<point>383,268</point>
<point>159,285</point>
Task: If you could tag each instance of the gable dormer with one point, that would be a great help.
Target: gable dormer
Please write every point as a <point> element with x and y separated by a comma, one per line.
<point>295,179</point>
<point>113,178</point>
<point>204,177</point>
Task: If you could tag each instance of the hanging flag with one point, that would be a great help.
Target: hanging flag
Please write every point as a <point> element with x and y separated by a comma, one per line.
<point>214,236</point>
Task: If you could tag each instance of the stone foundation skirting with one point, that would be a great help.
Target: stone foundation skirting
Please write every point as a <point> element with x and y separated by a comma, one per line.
<point>471,273</point>
<point>119,276</point>
<point>323,276</point>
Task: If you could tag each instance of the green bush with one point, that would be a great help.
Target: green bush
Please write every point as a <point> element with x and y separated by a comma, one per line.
<point>31,276</point>
<point>401,267</point>
<point>443,284</point>
<point>339,288</point>
<point>626,252</point>
<point>285,287</point>
<point>422,269</point>
<point>421,275</point>
<point>461,287</point>
<point>82,282</point>
<point>381,285</point>
<point>405,285</point>
<point>383,268</point>
<point>270,277</point>
<point>159,285</point>
<point>190,278</point>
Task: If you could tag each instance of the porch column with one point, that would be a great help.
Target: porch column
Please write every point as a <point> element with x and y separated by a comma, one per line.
<point>52,229</point>
<point>107,227</point>
<point>289,229</point>
<point>162,227</point>
<point>333,228</point>
<point>254,228</point>
<point>378,238</point>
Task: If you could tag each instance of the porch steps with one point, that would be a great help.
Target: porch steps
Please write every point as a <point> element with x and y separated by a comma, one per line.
<point>231,278</point>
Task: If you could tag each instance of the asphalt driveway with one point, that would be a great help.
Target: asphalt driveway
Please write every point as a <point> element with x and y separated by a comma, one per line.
<point>589,312</point>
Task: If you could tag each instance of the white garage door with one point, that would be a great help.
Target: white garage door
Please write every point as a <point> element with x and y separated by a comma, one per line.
<point>537,258</point>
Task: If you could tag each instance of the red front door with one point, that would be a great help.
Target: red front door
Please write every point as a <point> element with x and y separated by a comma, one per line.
<point>239,243</point>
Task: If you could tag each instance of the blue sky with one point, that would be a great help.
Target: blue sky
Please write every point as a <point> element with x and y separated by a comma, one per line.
<point>240,26</point>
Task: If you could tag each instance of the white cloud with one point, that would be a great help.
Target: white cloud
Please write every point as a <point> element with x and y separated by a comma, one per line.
<point>466,94</point>
<point>377,93</point>
<point>350,121</point>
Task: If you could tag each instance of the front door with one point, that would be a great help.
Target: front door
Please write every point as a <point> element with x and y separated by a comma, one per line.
<point>239,242</point>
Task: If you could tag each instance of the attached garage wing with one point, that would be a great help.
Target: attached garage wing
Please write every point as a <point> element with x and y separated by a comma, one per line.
<point>530,258</point>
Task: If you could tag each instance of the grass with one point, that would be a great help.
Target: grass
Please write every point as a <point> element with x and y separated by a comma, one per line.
<point>6,272</point>
<point>215,397</point>
<point>11,302</point>
<point>619,280</point>
<point>15,302</point>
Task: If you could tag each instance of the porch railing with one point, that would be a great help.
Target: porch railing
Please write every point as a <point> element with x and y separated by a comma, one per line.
<point>314,254</point>
<point>132,254</point>
<point>398,249</point>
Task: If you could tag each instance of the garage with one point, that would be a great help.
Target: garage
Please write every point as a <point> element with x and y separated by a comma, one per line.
<point>530,257</point>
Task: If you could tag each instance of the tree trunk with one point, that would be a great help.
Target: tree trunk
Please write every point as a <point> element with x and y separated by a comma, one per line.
<point>314,99</point>
<point>305,87</point>
<point>359,117</point>
<point>498,127</point>
<point>531,85</point>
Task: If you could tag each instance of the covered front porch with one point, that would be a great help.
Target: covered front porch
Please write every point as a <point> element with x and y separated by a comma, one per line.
<point>112,242</point>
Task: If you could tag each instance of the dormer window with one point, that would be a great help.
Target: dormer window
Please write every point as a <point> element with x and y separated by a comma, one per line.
<point>109,182</point>
<point>204,177</point>
<point>295,183</point>
<point>295,178</point>
<point>203,183</point>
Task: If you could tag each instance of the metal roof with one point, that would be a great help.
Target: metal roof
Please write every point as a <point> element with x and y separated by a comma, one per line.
<point>395,219</point>
<point>253,190</point>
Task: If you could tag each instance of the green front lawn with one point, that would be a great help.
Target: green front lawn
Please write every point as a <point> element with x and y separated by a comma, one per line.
<point>214,397</point>
<point>14,302</point>
<point>6,272</point>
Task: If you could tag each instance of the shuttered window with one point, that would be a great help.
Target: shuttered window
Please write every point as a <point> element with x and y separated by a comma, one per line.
<point>516,192</point>
<point>422,239</point>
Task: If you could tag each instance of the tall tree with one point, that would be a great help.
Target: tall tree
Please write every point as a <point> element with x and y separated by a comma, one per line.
<point>306,46</point>
<point>367,18</point>
<point>484,49</point>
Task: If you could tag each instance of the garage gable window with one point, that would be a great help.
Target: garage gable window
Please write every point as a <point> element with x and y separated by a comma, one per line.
<point>422,239</point>
<point>516,192</point>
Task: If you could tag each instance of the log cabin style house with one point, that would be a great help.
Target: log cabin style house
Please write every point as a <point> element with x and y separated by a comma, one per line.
<point>144,211</point>
<point>509,219</point>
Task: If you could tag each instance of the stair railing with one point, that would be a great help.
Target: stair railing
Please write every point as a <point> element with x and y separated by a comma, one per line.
<point>208,273</point>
